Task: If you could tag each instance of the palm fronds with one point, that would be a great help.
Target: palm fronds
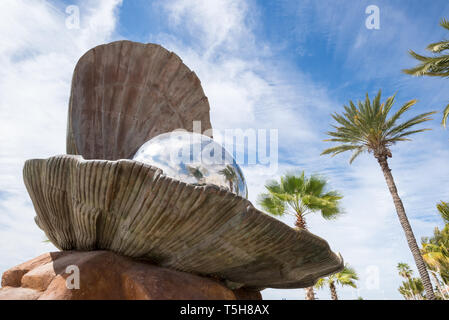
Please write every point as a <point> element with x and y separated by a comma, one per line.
<point>300,195</point>
<point>436,65</point>
<point>347,277</point>
<point>368,127</point>
<point>443,209</point>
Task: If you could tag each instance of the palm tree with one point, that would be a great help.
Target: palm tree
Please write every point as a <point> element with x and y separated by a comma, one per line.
<point>435,251</point>
<point>406,272</point>
<point>367,127</point>
<point>196,172</point>
<point>432,256</point>
<point>436,65</point>
<point>412,289</point>
<point>443,209</point>
<point>230,176</point>
<point>347,277</point>
<point>300,196</point>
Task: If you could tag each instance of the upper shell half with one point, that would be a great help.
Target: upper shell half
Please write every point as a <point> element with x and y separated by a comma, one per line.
<point>124,93</point>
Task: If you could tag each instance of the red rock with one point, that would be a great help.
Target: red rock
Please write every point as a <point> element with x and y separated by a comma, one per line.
<point>106,276</point>
<point>13,276</point>
<point>11,293</point>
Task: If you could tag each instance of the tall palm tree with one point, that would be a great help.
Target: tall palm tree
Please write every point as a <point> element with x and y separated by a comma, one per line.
<point>347,277</point>
<point>367,127</point>
<point>436,65</point>
<point>300,195</point>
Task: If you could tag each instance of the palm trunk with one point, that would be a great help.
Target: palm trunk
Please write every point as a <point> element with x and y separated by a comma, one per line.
<point>301,224</point>
<point>310,294</point>
<point>333,291</point>
<point>437,282</point>
<point>411,240</point>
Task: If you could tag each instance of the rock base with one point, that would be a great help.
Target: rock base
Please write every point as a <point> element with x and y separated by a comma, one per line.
<point>104,275</point>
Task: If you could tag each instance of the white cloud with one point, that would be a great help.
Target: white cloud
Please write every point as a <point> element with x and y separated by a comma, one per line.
<point>242,80</point>
<point>217,24</point>
<point>248,87</point>
<point>37,54</point>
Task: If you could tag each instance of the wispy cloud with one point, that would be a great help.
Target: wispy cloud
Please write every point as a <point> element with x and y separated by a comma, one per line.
<point>37,54</point>
<point>249,86</point>
<point>292,82</point>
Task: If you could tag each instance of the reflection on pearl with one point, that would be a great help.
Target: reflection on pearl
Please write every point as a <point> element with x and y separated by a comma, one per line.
<point>193,158</point>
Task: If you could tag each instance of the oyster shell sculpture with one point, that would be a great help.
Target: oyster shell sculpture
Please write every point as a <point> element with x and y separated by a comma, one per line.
<point>123,94</point>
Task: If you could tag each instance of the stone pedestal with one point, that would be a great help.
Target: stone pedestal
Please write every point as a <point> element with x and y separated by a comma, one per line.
<point>104,275</point>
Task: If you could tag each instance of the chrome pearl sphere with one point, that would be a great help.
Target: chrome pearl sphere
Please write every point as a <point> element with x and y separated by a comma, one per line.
<point>193,158</point>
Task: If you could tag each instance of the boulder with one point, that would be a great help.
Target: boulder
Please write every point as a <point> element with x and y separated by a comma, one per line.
<point>104,275</point>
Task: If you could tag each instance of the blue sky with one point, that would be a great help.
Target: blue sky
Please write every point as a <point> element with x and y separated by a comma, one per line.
<point>282,65</point>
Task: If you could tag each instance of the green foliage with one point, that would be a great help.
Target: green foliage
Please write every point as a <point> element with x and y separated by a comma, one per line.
<point>436,65</point>
<point>300,195</point>
<point>445,116</point>
<point>443,209</point>
<point>435,251</point>
<point>347,277</point>
<point>367,127</point>
<point>404,270</point>
<point>196,172</point>
<point>412,289</point>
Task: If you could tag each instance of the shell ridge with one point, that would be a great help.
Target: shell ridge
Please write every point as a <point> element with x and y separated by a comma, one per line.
<point>120,94</point>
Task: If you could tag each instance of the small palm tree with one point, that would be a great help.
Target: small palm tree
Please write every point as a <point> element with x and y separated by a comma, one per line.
<point>300,196</point>
<point>230,176</point>
<point>406,272</point>
<point>412,289</point>
<point>435,66</point>
<point>367,128</point>
<point>196,172</point>
<point>347,277</point>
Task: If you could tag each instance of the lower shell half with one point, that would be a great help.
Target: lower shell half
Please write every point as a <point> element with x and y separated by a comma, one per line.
<point>135,210</point>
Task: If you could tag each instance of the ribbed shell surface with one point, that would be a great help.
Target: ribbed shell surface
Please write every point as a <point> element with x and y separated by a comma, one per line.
<point>134,210</point>
<point>124,93</point>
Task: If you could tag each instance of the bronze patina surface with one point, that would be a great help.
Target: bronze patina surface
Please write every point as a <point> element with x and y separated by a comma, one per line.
<point>123,94</point>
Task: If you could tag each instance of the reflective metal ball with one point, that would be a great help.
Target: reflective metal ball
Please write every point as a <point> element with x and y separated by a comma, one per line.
<point>193,158</point>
